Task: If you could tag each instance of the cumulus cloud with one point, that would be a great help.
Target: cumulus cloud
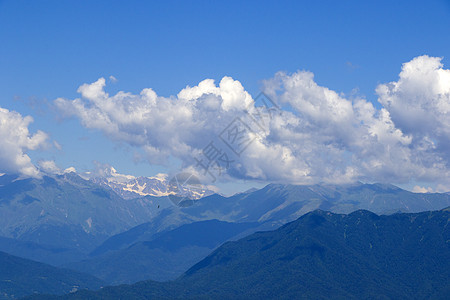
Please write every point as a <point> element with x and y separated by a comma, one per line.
<point>419,104</point>
<point>319,136</point>
<point>161,126</point>
<point>16,140</point>
<point>340,140</point>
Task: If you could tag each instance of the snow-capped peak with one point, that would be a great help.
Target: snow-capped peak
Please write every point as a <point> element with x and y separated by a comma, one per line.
<point>129,186</point>
<point>69,170</point>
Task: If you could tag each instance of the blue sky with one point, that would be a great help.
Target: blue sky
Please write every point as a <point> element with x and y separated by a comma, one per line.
<point>50,48</point>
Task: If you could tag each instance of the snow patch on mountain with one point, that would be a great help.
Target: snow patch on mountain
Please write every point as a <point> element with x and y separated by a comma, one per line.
<point>130,187</point>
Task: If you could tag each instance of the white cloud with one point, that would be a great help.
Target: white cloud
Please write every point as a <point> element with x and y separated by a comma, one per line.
<point>338,139</point>
<point>161,126</point>
<point>419,104</point>
<point>49,167</point>
<point>440,188</point>
<point>422,190</point>
<point>16,140</point>
<point>322,137</point>
<point>113,79</point>
<point>57,145</point>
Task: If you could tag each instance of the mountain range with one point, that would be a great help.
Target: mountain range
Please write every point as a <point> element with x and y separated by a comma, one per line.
<point>89,225</point>
<point>359,255</point>
<point>266,209</point>
<point>70,221</point>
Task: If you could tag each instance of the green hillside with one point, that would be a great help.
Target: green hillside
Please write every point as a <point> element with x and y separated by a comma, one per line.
<point>21,277</point>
